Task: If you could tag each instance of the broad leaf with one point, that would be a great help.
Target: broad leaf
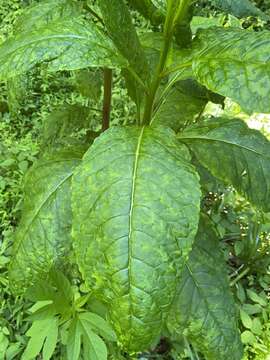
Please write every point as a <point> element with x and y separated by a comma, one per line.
<point>184,102</point>
<point>42,13</point>
<point>64,44</point>
<point>240,8</point>
<point>135,212</point>
<point>118,22</point>
<point>43,238</point>
<point>235,63</point>
<point>204,309</point>
<point>234,153</point>
<point>74,340</point>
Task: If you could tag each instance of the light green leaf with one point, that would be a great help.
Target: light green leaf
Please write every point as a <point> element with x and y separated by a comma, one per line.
<point>246,319</point>
<point>119,24</point>
<point>74,340</point>
<point>255,297</point>
<point>204,309</point>
<point>45,12</point>
<point>37,333</point>
<point>235,154</point>
<point>99,325</point>
<point>39,305</point>
<point>161,5</point>
<point>235,63</point>
<point>135,205</point>
<point>51,340</point>
<point>248,338</point>
<point>65,45</point>
<point>96,347</point>
<point>240,8</point>
<point>43,237</point>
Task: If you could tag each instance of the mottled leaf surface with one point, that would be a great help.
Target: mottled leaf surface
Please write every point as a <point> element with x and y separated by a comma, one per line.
<point>234,153</point>
<point>43,240</point>
<point>42,13</point>
<point>65,45</point>
<point>240,8</point>
<point>204,309</point>
<point>235,63</point>
<point>135,202</point>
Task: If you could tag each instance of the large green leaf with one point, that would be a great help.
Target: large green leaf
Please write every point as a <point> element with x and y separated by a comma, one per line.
<point>119,24</point>
<point>42,13</point>
<point>184,102</point>
<point>235,63</point>
<point>204,310</point>
<point>135,203</point>
<point>64,44</point>
<point>234,153</point>
<point>43,238</point>
<point>240,8</point>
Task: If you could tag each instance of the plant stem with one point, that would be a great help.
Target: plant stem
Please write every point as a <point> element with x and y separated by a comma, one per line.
<point>107,98</point>
<point>168,37</point>
<point>240,276</point>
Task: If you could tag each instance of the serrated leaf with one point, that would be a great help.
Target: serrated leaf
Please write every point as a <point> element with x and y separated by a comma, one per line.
<point>135,225</point>
<point>235,63</point>
<point>96,348</point>
<point>51,340</point>
<point>99,325</point>
<point>119,24</point>
<point>45,12</point>
<point>235,154</point>
<point>240,8</point>
<point>43,238</point>
<point>64,44</point>
<point>204,308</point>
<point>74,340</point>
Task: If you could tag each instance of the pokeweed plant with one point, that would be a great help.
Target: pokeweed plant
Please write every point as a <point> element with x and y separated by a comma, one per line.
<point>128,203</point>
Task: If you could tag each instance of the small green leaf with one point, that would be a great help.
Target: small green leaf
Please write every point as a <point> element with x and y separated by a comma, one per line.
<point>256,298</point>
<point>39,305</point>
<point>246,319</point>
<point>51,340</point>
<point>96,347</point>
<point>74,340</point>
<point>248,338</point>
<point>99,325</point>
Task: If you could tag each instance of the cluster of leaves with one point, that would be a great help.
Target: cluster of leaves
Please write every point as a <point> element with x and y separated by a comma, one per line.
<point>126,248</point>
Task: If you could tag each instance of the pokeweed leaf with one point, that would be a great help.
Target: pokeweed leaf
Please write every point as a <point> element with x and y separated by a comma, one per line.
<point>45,12</point>
<point>51,340</point>
<point>235,63</point>
<point>233,153</point>
<point>43,238</point>
<point>96,348</point>
<point>119,24</point>
<point>64,44</point>
<point>134,220</point>
<point>99,325</point>
<point>241,8</point>
<point>204,309</point>
<point>184,102</point>
<point>74,340</point>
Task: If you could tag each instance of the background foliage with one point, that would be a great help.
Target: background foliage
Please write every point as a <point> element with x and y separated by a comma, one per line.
<point>24,110</point>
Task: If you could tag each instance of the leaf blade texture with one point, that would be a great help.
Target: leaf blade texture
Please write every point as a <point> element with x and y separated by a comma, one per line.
<point>235,63</point>
<point>240,8</point>
<point>234,153</point>
<point>43,239</point>
<point>127,234</point>
<point>64,44</point>
<point>204,308</point>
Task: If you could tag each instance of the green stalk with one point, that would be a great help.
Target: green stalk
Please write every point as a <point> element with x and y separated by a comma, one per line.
<point>168,37</point>
<point>240,276</point>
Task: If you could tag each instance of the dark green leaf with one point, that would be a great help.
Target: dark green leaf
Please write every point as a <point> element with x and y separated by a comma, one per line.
<point>234,153</point>
<point>148,10</point>
<point>204,308</point>
<point>235,63</point>
<point>43,238</point>
<point>119,25</point>
<point>65,45</point>
<point>239,8</point>
<point>89,82</point>
<point>45,12</point>
<point>135,202</point>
